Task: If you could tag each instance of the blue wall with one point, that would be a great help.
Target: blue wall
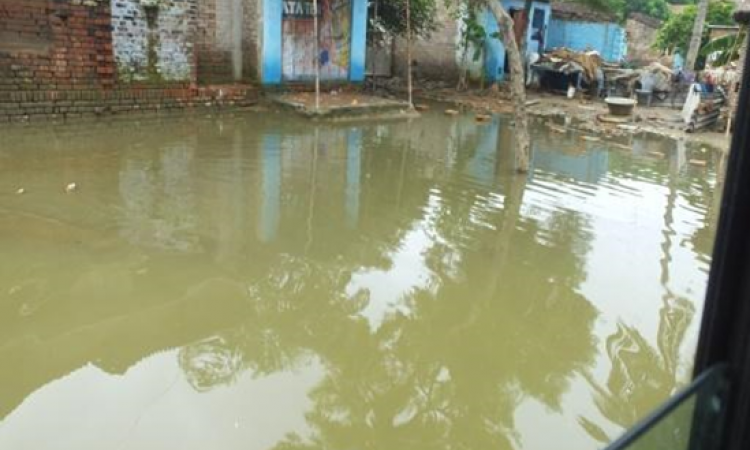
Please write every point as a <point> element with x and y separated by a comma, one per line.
<point>359,41</point>
<point>494,50</point>
<point>606,38</point>
<point>271,48</point>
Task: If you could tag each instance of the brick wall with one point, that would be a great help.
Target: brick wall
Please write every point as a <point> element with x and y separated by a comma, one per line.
<point>214,63</point>
<point>55,45</point>
<point>27,106</point>
<point>252,26</point>
<point>65,59</point>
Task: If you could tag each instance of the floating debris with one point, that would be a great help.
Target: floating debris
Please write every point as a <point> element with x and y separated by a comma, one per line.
<point>557,129</point>
<point>421,107</point>
<point>619,146</point>
<point>591,138</point>
<point>483,117</point>
<point>70,188</point>
<point>451,112</point>
<point>698,162</point>
<point>21,191</point>
<point>659,155</point>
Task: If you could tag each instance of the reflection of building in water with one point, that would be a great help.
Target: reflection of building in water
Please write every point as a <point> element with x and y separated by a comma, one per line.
<point>331,155</point>
<point>271,187</point>
<point>481,167</point>
<point>158,199</point>
<point>353,176</point>
<point>588,165</point>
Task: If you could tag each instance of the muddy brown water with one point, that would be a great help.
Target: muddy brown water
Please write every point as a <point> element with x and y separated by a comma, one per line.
<point>262,282</point>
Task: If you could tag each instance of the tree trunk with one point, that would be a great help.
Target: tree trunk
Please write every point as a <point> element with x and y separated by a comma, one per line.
<point>464,70</point>
<point>517,87</point>
<point>697,37</point>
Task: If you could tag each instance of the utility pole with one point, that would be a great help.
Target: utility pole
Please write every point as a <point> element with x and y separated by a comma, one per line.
<point>316,60</point>
<point>408,52</point>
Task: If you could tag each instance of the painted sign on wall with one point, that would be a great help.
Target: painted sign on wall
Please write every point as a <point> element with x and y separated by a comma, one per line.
<point>334,39</point>
<point>298,9</point>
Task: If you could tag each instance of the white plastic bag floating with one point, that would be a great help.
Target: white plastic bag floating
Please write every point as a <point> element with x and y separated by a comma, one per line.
<point>571,91</point>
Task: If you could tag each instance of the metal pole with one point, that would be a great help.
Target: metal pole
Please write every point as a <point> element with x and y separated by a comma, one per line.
<point>316,60</point>
<point>408,52</point>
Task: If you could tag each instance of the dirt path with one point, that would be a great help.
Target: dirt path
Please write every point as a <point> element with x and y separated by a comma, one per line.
<point>657,120</point>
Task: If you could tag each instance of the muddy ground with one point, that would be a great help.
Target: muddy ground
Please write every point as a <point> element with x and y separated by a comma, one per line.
<point>584,112</point>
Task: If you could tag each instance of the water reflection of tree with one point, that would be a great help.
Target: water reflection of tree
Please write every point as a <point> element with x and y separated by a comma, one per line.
<point>641,375</point>
<point>450,372</point>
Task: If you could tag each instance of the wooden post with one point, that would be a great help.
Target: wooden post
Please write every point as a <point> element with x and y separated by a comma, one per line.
<point>408,53</point>
<point>316,60</point>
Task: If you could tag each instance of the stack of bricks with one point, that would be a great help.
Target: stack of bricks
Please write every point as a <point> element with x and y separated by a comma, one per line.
<point>57,62</point>
<point>28,106</point>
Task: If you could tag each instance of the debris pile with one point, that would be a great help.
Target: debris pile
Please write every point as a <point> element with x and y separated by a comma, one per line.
<point>569,62</point>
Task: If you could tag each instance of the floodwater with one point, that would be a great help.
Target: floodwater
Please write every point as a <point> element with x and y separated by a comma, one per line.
<point>262,282</point>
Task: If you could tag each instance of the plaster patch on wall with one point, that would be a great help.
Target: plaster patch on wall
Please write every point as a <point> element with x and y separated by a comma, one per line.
<point>174,52</point>
<point>152,43</point>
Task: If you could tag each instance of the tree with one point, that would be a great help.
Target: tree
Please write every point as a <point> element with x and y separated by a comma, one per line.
<point>724,49</point>
<point>697,35</point>
<point>517,88</point>
<point>389,17</point>
<point>392,19</point>
<point>658,9</point>
<point>675,33</point>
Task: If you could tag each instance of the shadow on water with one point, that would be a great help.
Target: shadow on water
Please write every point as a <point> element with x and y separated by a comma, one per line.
<point>438,291</point>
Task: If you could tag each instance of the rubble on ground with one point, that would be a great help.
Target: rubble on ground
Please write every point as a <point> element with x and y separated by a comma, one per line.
<point>569,61</point>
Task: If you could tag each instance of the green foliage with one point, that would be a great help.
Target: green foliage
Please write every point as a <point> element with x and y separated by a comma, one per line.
<point>725,49</point>
<point>676,31</point>
<point>658,9</point>
<point>475,33</point>
<point>391,17</point>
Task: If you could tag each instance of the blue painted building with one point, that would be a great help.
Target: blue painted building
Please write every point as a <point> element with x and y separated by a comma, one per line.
<point>577,27</point>
<point>495,63</point>
<point>287,41</point>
